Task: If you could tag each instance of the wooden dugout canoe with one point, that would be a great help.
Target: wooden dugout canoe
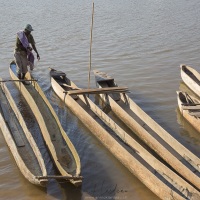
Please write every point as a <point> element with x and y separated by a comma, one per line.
<point>190,108</point>
<point>19,140</point>
<point>191,78</point>
<point>155,175</point>
<point>159,140</point>
<point>61,149</point>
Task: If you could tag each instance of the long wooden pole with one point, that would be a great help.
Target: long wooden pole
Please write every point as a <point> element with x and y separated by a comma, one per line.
<point>19,80</point>
<point>59,177</point>
<point>91,45</point>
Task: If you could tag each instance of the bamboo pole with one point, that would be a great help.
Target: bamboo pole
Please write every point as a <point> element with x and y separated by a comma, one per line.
<point>99,90</point>
<point>91,45</point>
<point>59,177</point>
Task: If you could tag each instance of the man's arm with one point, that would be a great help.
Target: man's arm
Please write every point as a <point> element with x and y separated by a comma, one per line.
<point>34,48</point>
<point>32,41</point>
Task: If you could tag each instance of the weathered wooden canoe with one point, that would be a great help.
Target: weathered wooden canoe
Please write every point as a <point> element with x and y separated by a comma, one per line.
<point>190,108</point>
<point>60,147</point>
<point>159,140</point>
<point>191,78</point>
<point>19,139</point>
<point>155,175</point>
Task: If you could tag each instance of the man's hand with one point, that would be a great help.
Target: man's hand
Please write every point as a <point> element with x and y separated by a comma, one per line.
<point>38,56</point>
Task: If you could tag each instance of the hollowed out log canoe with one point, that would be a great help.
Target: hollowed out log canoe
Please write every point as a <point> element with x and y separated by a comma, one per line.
<point>19,140</point>
<point>183,161</point>
<point>60,147</point>
<point>154,174</point>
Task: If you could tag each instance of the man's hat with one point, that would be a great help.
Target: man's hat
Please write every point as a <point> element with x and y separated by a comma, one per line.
<point>29,27</point>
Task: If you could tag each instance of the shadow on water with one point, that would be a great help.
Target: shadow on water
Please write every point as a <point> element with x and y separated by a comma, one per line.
<point>70,192</point>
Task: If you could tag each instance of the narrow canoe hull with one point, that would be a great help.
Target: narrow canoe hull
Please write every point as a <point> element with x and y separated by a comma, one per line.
<point>60,147</point>
<point>191,78</point>
<point>140,163</point>
<point>20,140</point>
<point>159,140</point>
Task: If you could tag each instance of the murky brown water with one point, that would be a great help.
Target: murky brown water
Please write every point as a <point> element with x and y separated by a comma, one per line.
<point>140,43</point>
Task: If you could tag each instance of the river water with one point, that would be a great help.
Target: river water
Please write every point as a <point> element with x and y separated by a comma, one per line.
<point>139,42</point>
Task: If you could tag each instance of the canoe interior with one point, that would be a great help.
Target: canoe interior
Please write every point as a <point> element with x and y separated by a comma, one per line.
<point>61,79</point>
<point>32,125</point>
<point>63,152</point>
<point>190,74</point>
<point>185,98</point>
<point>190,104</point>
<point>23,147</point>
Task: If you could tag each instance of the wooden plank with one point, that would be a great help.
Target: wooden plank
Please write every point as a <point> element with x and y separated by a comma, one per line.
<point>96,92</point>
<point>191,107</point>
<point>99,90</point>
<point>190,104</point>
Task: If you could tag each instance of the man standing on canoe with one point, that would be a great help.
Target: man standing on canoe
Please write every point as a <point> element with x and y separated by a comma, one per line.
<point>23,51</point>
